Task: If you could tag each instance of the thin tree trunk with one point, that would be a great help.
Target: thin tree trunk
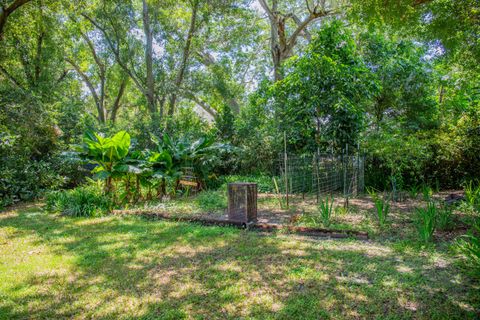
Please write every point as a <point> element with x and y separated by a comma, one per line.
<point>185,56</point>
<point>116,103</point>
<point>150,92</point>
<point>86,79</point>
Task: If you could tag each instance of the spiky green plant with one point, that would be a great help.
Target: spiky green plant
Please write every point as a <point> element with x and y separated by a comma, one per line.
<point>444,217</point>
<point>414,191</point>
<point>427,192</point>
<point>469,245</point>
<point>382,206</point>
<point>84,201</point>
<point>425,221</point>
<point>472,194</point>
<point>325,208</point>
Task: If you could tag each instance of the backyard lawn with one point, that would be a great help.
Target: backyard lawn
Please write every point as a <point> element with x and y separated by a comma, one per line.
<point>130,267</point>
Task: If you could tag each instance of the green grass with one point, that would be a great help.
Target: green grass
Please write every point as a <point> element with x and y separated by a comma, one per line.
<point>127,267</point>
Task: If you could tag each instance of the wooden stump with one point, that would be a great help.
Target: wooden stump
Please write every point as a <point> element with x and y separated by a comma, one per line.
<point>242,202</point>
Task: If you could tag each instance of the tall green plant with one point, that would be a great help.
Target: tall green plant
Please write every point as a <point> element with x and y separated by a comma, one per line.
<point>427,192</point>
<point>414,191</point>
<point>325,209</point>
<point>382,206</point>
<point>444,217</point>
<point>107,153</point>
<point>469,245</point>
<point>472,194</point>
<point>425,221</point>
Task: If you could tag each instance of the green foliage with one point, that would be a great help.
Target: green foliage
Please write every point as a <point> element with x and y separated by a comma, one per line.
<point>469,245</point>
<point>427,192</point>
<point>224,123</point>
<point>264,182</point>
<point>414,191</point>
<point>257,134</point>
<point>212,201</point>
<point>382,206</point>
<point>325,209</point>
<point>107,153</point>
<point>444,219</point>
<point>84,201</point>
<point>472,194</point>
<point>330,83</point>
<point>425,221</point>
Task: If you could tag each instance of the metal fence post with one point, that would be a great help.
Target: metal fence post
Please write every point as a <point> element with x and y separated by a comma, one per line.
<point>286,166</point>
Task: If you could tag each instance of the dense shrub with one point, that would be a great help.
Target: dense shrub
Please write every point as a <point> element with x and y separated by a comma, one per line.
<point>84,201</point>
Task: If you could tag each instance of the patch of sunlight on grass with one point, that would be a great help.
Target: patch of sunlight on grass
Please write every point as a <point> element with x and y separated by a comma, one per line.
<point>128,267</point>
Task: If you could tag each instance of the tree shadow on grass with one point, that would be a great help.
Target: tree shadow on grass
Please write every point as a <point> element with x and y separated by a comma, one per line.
<point>133,268</point>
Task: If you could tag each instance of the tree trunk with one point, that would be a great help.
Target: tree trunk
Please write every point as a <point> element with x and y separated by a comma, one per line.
<point>185,56</point>
<point>281,45</point>
<point>100,109</point>
<point>116,103</point>
<point>150,92</point>
<point>6,11</point>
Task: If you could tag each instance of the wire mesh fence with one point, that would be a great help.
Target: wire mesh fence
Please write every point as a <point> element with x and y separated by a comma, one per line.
<point>315,176</point>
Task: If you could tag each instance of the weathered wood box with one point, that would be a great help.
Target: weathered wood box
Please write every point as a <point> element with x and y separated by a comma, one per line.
<point>242,202</point>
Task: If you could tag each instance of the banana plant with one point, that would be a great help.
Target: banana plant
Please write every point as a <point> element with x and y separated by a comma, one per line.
<point>200,154</point>
<point>107,153</point>
<point>163,170</point>
<point>134,166</point>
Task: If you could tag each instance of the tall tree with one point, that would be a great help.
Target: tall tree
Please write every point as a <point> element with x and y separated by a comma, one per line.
<point>282,42</point>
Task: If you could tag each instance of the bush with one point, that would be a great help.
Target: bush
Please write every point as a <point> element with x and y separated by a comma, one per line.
<point>84,201</point>
<point>425,221</point>
<point>211,201</point>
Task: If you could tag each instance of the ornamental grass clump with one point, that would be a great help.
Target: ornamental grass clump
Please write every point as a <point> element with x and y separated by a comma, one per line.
<point>427,192</point>
<point>425,221</point>
<point>469,245</point>
<point>325,209</point>
<point>444,217</point>
<point>83,201</point>
<point>472,195</point>
<point>382,206</point>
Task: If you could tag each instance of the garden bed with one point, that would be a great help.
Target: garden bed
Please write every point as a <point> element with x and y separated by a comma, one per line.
<point>310,231</point>
<point>358,220</point>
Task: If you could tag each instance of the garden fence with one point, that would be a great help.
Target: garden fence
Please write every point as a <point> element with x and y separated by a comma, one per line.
<point>315,176</point>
